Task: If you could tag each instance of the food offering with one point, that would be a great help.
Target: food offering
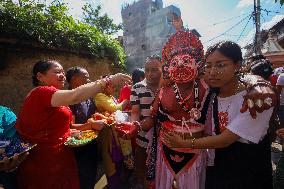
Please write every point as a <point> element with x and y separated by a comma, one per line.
<point>8,148</point>
<point>123,131</point>
<point>80,138</point>
<point>119,121</point>
<point>126,131</point>
<point>106,117</point>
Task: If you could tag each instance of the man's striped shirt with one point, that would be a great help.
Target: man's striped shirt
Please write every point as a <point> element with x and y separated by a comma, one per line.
<point>143,96</point>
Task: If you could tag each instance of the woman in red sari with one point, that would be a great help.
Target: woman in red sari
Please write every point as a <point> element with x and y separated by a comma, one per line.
<point>45,120</point>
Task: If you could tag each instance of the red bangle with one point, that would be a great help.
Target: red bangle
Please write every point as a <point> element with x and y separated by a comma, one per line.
<point>107,81</point>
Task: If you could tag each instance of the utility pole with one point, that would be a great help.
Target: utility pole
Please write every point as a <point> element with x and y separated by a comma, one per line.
<point>257,40</point>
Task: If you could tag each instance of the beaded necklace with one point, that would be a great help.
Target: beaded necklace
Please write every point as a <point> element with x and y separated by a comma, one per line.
<point>193,111</point>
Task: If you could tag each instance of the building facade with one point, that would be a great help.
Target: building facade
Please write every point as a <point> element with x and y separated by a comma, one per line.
<point>146,27</point>
<point>273,48</point>
<point>272,44</point>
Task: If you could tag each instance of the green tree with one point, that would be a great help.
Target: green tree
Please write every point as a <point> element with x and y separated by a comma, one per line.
<point>53,27</point>
<point>281,1</point>
<point>102,22</point>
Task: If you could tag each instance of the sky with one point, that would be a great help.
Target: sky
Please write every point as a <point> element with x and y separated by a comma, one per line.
<point>215,20</point>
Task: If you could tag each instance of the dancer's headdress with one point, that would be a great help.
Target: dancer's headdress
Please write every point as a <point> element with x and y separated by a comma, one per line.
<point>182,43</point>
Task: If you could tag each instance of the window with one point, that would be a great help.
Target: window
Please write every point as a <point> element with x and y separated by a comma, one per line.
<point>153,9</point>
<point>169,20</point>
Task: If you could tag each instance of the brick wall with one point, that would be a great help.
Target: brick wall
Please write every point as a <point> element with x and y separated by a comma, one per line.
<point>15,77</point>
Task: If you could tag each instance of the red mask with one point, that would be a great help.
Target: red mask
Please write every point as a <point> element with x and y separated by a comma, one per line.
<point>182,68</point>
<point>181,55</point>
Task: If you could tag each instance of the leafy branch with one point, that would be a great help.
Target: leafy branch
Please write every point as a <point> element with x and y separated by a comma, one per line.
<point>52,26</point>
<point>103,23</point>
<point>281,2</point>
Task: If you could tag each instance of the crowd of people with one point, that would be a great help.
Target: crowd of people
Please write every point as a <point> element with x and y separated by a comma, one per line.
<point>201,122</point>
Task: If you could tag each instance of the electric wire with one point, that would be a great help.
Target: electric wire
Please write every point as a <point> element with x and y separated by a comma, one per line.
<point>244,27</point>
<point>232,27</point>
<point>222,22</point>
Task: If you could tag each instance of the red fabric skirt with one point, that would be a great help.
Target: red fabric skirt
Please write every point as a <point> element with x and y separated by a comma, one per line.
<point>49,167</point>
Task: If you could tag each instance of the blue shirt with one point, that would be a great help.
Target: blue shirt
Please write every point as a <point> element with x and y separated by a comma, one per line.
<point>7,123</point>
<point>83,111</point>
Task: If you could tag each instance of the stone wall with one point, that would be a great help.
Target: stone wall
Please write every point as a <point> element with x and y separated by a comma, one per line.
<point>15,76</point>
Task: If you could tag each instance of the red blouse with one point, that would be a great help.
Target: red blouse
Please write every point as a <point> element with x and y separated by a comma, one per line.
<point>50,164</point>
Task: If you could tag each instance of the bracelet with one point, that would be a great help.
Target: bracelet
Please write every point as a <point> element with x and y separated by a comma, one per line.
<point>193,143</point>
<point>107,82</point>
<point>99,82</point>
